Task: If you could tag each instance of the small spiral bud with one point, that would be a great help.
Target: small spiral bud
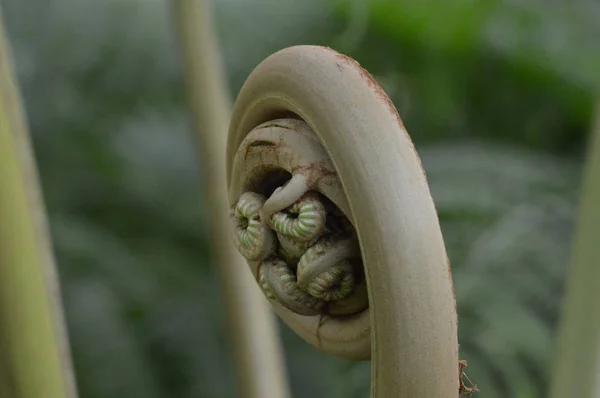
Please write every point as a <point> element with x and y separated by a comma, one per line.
<point>253,238</point>
<point>304,220</point>
<point>324,270</point>
<point>264,286</point>
<point>292,250</point>
<point>355,302</point>
<point>280,282</point>
<point>335,284</point>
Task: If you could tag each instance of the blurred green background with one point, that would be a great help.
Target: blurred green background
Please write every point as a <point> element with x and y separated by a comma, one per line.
<point>497,94</point>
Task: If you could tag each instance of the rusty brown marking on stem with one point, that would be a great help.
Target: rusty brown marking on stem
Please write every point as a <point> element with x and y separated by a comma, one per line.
<point>372,83</point>
<point>314,172</point>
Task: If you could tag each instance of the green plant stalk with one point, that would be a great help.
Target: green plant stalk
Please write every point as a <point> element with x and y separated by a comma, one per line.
<point>577,369</point>
<point>34,353</point>
<point>252,325</point>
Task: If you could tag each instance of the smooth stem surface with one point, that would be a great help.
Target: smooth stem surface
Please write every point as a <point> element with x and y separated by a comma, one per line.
<point>577,370</point>
<point>258,353</point>
<point>34,355</point>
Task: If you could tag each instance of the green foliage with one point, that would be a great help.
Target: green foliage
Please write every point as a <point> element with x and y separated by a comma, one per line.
<point>490,111</point>
<point>513,71</point>
<point>507,218</point>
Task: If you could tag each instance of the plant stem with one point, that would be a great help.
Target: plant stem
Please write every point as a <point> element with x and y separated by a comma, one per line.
<point>412,312</point>
<point>256,344</point>
<point>34,353</point>
<point>577,370</point>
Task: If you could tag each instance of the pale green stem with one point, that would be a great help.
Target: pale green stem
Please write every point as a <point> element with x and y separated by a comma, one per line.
<point>34,353</point>
<point>252,325</point>
<point>577,369</point>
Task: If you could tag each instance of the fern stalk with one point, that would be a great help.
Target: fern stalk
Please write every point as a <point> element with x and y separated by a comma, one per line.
<point>34,353</point>
<point>577,370</point>
<point>256,345</point>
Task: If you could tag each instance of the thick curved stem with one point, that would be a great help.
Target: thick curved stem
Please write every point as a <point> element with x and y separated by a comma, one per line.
<point>257,348</point>
<point>411,303</point>
<point>35,357</point>
<point>578,366</point>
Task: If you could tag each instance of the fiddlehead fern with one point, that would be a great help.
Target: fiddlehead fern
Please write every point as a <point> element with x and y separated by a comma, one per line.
<point>309,269</point>
<point>303,221</point>
<point>359,268</point>
<point>325,270</point>
<point>281,285</point>
<point>253,238</point>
